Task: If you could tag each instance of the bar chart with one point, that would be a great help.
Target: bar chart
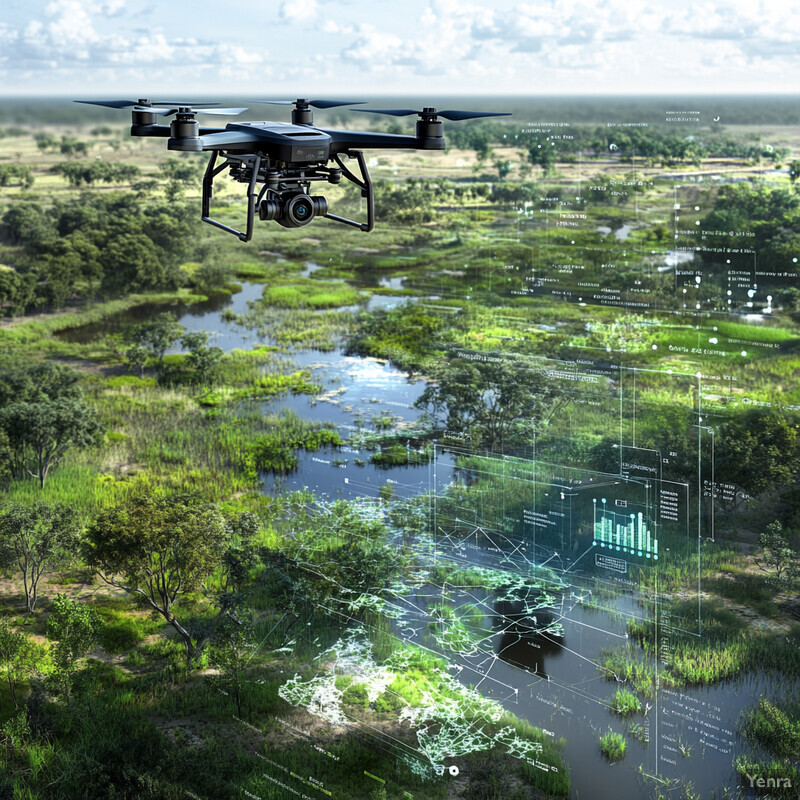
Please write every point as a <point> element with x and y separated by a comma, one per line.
<point>628,533</point>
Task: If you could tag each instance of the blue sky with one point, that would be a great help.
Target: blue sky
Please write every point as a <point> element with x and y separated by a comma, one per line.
<point>340,47</point>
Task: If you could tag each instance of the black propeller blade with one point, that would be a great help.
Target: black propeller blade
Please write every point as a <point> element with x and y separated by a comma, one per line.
<point>165,108</point>
<point>301,103</point>
<point>450,114</point>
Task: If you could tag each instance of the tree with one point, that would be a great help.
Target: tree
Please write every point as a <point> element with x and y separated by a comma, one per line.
<point>40,433</point>
<point>503,168</point>
<point>777,556</point>
<point>211,277</point>
<point>201,358</point>
<point>158,335</point>
<point>490,400</point>
<point>34,539</point>
<point>230,652</point>
<point>158,549</point>
<point>135,357</point>
<point>46,141</point>
<point>337,555</point>
<point>758,450</point>
<point>19,658</point>
<point>542,155</point>
<point>75,627</point>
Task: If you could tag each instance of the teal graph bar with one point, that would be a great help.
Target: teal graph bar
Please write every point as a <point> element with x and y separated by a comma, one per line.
<point>628,533</point>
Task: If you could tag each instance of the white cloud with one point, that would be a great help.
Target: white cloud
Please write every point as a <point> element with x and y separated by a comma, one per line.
<point>298,10</point>
<point>68,38</point>
<point>427,45</point>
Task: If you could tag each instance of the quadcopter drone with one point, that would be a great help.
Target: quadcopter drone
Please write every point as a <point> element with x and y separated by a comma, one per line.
<point>285,158</point>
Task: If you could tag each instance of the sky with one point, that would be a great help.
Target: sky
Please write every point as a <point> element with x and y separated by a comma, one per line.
<point>324,48</point>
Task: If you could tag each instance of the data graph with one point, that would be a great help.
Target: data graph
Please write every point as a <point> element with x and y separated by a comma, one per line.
<point>628,533</point>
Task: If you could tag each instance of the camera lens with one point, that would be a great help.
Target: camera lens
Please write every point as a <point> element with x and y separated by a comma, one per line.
<point>299,210</point>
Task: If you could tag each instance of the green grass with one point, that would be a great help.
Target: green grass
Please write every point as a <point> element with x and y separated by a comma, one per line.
<point>775,726</point>
<point>311,294</point>
<point>625,703</point>
<point>613,746</point>
<point>729,646</point>
<point>780,779</point>
<point>121,630</point>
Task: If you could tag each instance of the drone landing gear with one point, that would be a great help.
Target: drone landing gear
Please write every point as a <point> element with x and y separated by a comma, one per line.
<point>288,183</point>
<point>365,184</point>
<point>254,164</point>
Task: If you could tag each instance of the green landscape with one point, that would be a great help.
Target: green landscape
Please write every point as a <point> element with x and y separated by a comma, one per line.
<point>179,617</point>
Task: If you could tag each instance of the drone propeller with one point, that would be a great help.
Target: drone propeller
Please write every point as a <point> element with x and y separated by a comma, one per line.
<point>301,103</point>
<point>432,113</point>
<point>165,108</point>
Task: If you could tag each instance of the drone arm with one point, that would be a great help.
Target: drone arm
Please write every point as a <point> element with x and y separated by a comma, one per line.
<point>165,131</point>
<point>341,141</point>
<point>252,196</point>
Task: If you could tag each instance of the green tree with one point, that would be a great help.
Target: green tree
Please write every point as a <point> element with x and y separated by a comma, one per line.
<point>40,433</point>
<point>211,277</point>
<point>230,652</point>
<point>503,168</point>
<point>158,335</point>
<point>34,539</point>
<point>542,155</point>
<point>201,358</point>
<point>46,141</point>
<point>75,627</point>
<point>494,401</point>
<point>159,549</point>
<point>758,450</point>
<point>20,657</point>
<point>135,357</point>
<point>777,556</point>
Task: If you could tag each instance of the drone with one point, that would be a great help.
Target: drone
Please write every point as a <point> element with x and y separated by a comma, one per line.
<point>279,161</point>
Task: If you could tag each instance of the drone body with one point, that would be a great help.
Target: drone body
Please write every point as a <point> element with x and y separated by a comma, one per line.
<point>285,158</point>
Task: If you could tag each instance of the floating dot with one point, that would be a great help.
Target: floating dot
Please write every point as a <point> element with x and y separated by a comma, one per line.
<point>744,352</point>
<point>655,347</point>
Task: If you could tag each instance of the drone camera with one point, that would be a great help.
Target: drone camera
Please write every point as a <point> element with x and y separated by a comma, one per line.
<point>294,210</point>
